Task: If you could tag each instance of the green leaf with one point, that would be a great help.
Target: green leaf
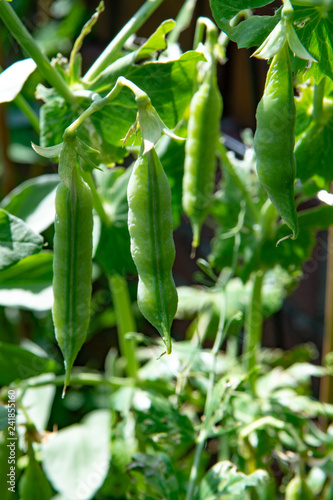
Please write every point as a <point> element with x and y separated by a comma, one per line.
<point>314,150</point>
<point>17,240</point>
<point>49,152</point>
<point>112,185</point>
<point>14,77</point>
<point>155,476</point>
<point>250,32</point>
<point>87,446</point>
<point>33,201</point>
<point>113,251</point>
<point>33,484</point>
<point>172,156</point>
<point>236,295</point>
<point>314,29</point>
<point>157,40</point>
<point>224,479</point>
<point>168,84</point>
<point>28,284</point>
<point>19,364</point>
<point>159,423</point>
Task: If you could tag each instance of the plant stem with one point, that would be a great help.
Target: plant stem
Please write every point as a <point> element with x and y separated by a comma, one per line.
<point>203,434</point>
<point>125,322</point>
<point>231,170</point>
<point>253,324</point>
<point>204,23</point>
<point>183,20</point>
<point>25,107</point>
<point>318,97</point>
<point>98,205</point>
<point>196,463</point>
<point>111,51</point>
<point>326,383</point>
<point>93,379</point>
<point>29,45</point>
<point>100,102</point>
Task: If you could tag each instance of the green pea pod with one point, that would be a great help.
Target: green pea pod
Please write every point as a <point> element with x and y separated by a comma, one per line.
<point>274,139</point>
<point>200,158</point>
<point>72,267</point>
<point>152,247</point>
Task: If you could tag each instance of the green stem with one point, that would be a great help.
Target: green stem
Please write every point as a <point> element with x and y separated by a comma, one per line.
<point>125,322</point>
<point>98,205</point>
<point>253,324</point>
<point>183,20</point>
<point>318,98</point>
<point>93,379</point>
<point>100,102</point>
<point>196,463</point>
<point>112,50</point>
<point>203,434</point>
<point>232,172</point>
<point>223,39</point>
<point>29,45</point>
<point>79,41</point>
<point>25,107</point>
<point>326,383</point>
<point>204,23</point>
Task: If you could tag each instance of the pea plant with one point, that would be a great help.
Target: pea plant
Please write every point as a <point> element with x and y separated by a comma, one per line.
<point>119,380</point>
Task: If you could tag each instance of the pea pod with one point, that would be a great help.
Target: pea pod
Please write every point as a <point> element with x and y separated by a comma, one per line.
<point>200,157</point>
<point>274,139</point>
<point>152,247</point>
<point>72,267</point>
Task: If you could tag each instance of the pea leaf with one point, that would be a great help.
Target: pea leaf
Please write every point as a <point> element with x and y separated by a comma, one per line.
<point>113,251</point>
<point>32,475</point>
<point>17,240</point>
<point>159,423</point>
<point>19,364</point>
<point>224,479</point>
<point>172,156</point>
<point>313,149</point>
<point>87,446</point>
<point>157,40</point>
<point>314,29</point>
<point>168,84</point>
<point>248,33</point>
<point>33,201</point>
<point>28,284</point>
<point>155,476</point>
<point>112,185</point>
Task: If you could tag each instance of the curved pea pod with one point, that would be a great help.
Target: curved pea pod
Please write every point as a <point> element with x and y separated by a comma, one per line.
<point>274,139</point>
<point>200,157</point>
<point>152,247</point>
<point>72,267</point>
